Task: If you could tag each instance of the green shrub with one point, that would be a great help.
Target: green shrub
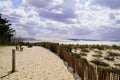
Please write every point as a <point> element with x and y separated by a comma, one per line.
<point>85,60</point>
<point>115,70</point>
<point>98,52</point>
<point>97,55</point>
<point>26,43</point>
<point>99,63</point>
<point>83,54</point>
<point>30,45</point>
<point>85,50</point>
<point>76,56</point>
<point>68,48</point>
<point>117,64</point>
<point>115,47</point>
<point>113,54</point>
<point>109,58</point>
<point>83,46</point>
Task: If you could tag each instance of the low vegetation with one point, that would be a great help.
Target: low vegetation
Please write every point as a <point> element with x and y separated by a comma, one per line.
<point>68,48</point>
<point>90,47</point>
<point>85,50</point>
<point>98,52</point>
<point>113,54</point>
<point>109,58</point>
<point>98,55</point>
<point>76,56</point>
<point>30,45</point>
<point>83,54</point>
<point>99,63</point>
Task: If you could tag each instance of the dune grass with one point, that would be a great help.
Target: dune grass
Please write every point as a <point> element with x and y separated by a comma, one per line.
<point>83,54</point>
<point>87,47</point>
<point>99,63</point>
<point>4,45</point>
<point>113,54</point>
<point>97,55</point>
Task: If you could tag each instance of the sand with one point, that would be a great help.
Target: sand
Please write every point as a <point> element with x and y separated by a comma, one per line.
<point>103,53</point>
<point>35,63</point>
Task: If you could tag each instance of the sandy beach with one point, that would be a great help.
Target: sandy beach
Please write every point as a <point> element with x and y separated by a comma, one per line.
<point>35,63</point>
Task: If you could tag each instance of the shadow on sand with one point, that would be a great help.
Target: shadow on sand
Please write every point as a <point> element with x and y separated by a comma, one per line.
<point>70,69</point>
<point>10,72</point>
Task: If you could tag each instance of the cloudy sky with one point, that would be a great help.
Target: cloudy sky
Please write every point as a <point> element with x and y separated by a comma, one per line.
<point>86,19</point>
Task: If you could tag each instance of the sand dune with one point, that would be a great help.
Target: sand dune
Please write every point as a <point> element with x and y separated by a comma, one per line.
<point>53,39</point>
<point>34,63</point>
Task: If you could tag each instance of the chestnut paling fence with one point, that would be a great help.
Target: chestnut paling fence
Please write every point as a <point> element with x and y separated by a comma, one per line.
<point>85,70</point>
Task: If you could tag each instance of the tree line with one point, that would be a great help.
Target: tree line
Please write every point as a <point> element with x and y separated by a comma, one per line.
<point>6,32</point>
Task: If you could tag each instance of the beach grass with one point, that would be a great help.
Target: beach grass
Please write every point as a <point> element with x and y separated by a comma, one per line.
<point>99,63</point>
<point>4,45</point>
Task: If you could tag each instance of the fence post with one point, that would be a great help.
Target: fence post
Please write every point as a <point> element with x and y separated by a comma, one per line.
<point>13,60</point>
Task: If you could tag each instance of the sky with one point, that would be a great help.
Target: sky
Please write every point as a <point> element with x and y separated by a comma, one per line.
<point>81,19</point>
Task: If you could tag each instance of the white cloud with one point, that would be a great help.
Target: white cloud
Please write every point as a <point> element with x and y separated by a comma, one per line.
<point>62,18</point>
<point>5,4</point>
<point>39,3</point>
<point>60,11</point>
<point>57,2</point>
<point>21,32</point>
<point>96,19</point>
<point>42,4</point>
<point>113,4</point>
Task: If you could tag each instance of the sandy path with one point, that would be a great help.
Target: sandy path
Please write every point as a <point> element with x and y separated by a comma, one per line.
<point>34,63</point>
